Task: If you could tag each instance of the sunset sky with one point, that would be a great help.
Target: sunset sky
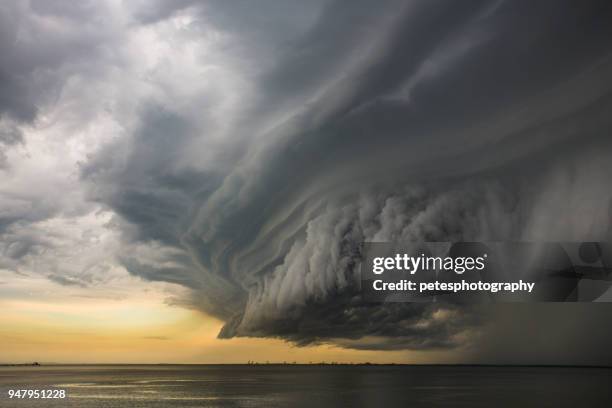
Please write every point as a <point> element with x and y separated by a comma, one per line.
<point>47,322</point>
<point>191,181</point>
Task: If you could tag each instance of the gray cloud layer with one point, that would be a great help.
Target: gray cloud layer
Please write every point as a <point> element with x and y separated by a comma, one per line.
<point>390,121</point>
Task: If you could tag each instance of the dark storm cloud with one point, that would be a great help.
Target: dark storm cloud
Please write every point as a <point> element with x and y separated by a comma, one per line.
<point>409,121</point>
<point>39,51</point>
<point>44,46</point>
<point>15,98</point>
<point>349,322</point>
<point>151,192</point>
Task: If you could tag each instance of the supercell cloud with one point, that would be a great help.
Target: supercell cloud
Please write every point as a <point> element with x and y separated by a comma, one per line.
<point>245,152</point>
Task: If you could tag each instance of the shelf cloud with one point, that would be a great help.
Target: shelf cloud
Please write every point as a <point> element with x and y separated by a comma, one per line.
<point>246,152</point>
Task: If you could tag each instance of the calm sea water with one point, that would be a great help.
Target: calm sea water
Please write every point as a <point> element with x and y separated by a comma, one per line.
<point>310,386</point>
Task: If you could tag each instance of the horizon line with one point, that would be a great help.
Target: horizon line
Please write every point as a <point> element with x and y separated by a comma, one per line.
<point>47,364</point>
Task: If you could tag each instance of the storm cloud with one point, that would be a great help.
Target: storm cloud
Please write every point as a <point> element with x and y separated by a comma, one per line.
<point>248,151</point>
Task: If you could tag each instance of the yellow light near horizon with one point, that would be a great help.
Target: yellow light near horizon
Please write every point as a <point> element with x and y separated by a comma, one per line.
<point>148,331</point>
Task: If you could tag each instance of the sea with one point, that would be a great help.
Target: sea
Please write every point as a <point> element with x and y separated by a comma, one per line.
<point>318,386</point>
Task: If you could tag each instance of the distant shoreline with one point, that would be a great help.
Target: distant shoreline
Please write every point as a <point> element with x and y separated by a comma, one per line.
<point>306,365</point>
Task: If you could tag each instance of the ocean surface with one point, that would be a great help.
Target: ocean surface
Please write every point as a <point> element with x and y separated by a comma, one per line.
<point>309,386</point>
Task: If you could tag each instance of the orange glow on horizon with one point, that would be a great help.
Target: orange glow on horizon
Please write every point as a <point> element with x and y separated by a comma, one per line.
<point>149,331</point>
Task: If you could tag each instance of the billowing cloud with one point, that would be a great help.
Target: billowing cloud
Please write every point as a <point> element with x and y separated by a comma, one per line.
<point>245,154</point>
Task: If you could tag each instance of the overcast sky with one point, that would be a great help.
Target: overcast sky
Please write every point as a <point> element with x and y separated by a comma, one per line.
<point>233,154</point>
